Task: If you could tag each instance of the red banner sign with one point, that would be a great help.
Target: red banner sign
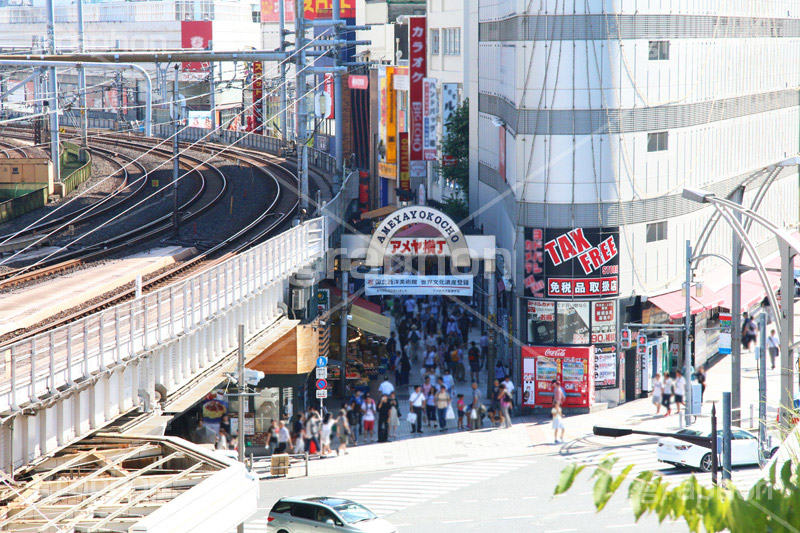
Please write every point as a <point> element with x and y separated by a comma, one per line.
<point>405,171</point>
<point>323,9</point>
<point>417,246</point>
<point>270,11</point>
<point>195,34</point>
<point>417,72</point>
<point>327,86</point>
<point>258,94</point>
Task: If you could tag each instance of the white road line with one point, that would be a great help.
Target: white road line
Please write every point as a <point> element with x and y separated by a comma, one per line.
<point>456,521</point>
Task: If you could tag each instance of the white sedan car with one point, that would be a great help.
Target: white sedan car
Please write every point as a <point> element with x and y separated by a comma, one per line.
<point>677,452</point>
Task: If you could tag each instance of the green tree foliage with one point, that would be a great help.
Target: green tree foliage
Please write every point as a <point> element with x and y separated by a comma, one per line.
<point>772,505</point>
<point>456,207</point>
<point>456,145</point>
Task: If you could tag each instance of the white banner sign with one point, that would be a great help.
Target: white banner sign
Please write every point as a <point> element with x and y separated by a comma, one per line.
<point>380,284</point>
<point>199,119</point>
<point>449,102</point>
<point>430,112</point>
<point>322,372</point>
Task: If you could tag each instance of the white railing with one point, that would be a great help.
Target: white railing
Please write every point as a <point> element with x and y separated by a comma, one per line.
<point>335,210</point>
<point>207,307</point>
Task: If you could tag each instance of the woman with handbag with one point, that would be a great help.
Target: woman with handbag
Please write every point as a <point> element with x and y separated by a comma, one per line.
<point>442,403</point>
<point>505,405</point>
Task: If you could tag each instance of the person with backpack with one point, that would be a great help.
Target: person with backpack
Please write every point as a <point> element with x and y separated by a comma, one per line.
<point>458,366</point>
<point>413,338</point>
<point>474,358</point>
<point>749,331</point>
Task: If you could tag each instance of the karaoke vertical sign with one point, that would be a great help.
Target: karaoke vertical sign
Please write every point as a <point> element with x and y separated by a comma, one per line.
<point>417,72</point>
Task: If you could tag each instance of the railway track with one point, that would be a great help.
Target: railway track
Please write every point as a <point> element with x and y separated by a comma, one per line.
<point>282,185</point>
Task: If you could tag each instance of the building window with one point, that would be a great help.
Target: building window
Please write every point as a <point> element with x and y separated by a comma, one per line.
<point>657,231</point>
<point>659,50</point>
<point>435,42</point>
<point>256,10</point>
<point>452,41</point>
<point>657,142</point>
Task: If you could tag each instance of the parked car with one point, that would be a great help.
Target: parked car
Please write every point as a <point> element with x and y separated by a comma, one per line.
<point>314,514</point>
<point>677,452</point>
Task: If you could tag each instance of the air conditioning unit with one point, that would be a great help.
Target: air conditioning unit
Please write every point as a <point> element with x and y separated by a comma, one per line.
<point>299,299</point>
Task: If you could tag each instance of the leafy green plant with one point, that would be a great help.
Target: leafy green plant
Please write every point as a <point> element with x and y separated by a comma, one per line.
<point>456,146</point>
<point>772,505</point>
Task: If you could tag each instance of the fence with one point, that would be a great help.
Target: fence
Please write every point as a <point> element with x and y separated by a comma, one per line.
<point>79,175</point>
<point>20,205</point>
<point>208,306</point>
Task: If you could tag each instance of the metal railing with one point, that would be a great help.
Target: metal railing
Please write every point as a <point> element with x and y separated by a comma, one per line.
<point>336,209</point>
<point>79,175</point>
<point>208,306</point>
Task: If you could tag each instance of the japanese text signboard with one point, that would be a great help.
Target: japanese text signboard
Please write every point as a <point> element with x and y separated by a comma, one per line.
<point>417,246</point>
<point>379,284</point>
<point>417,72</point>
<point>604,322</point>
<point>534,263</point>
<point>571,262</point>
<point>430,112</point>
<point>405,175</point>
<point>449,103</point>
<point>258,94</point>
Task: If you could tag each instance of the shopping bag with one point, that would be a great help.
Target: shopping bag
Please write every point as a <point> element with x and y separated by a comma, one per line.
<point>412,418</point>
<point>473,414</point>
<point>450,415</point>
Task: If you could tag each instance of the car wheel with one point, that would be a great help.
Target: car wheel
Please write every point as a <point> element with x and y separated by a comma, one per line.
<point>772,452</point>
<point>705,463</point>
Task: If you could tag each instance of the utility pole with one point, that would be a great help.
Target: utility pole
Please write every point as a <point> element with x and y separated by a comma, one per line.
<point>762,383</point>
<point>344,262</point>
<point>118,86</point>
<point>489,267</point>
<point>338,175</point>
<point>300,89</point>
<point>84,116</point>
<point>736,316</point>
<point>242,398</point>
<point>53,92</point>
<point>687,336</point>
<point>726,436</point>
<point>212,89</point>
<point>176,124</point>
<point>282,90</point>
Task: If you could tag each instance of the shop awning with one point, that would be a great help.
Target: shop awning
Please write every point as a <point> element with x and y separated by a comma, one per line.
<point>380,212</point>
<point>360,302</point>
<point>752,289</point>
<point>674,303</point>
<point>371,322</point>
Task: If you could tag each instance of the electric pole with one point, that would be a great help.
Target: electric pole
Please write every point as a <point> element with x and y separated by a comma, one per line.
<point>84,117</point>
<point>212,90</point>
<point>176,123</point>
<point>52,98</point>
<point>300,89</point>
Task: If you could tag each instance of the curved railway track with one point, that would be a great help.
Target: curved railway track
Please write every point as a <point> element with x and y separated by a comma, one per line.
<point>282,184</point>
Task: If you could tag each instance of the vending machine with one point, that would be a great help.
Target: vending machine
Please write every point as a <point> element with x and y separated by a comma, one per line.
<point>572,366</point>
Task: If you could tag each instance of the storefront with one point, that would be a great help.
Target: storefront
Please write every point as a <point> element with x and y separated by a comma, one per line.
<point>571,285</point>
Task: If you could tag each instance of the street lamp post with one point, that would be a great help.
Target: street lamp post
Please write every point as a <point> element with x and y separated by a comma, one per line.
<point>789,248</point>
<point>687,338</point>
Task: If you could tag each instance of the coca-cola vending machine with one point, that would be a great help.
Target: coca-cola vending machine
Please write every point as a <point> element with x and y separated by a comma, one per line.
<point>572,366</point>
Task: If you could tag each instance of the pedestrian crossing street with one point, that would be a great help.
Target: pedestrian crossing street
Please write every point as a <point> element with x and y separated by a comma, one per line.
<point>642,456</point>
<point>404,489</point>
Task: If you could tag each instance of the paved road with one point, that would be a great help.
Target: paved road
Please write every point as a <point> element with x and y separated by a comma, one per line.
<point>509,495</point>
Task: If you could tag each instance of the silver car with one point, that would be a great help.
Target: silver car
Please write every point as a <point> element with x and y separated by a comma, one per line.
<point>319,514</point>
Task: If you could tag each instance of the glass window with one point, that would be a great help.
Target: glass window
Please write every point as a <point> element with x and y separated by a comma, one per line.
<point>435,42</point>
<point>353,512</point>
<point>657,231</point>
<point>281,507</point>
<point>452,41</point>
<point>657,142</point>
<point>742,435</point>
<point>323,515</point>
<point>304,510</point>
<point>658,51</point>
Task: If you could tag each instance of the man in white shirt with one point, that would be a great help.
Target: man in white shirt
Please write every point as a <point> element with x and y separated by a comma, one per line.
<point>386,387</point>
<point>679,389</point>
<point>417,400</point>
<point>773,347</point>
<point>509,386</point>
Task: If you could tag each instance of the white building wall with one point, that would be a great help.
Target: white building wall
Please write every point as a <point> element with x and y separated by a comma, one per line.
<point>612,74</point>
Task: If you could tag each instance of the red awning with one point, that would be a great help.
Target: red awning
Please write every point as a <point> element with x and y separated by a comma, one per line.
<point>674,303</point>
<point>360,302</point>
<point>752,289</point>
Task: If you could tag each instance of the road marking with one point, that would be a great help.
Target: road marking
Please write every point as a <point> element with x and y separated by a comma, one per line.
<point>455,521</point>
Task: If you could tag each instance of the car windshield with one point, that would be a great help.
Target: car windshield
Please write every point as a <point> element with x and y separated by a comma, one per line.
<point>352,512</point>
<point>691,432</point>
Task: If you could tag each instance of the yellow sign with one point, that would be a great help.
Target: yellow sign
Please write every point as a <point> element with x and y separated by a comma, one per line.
<point>387,170</point>
<point>391,117</point>
<point>62,130</point>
